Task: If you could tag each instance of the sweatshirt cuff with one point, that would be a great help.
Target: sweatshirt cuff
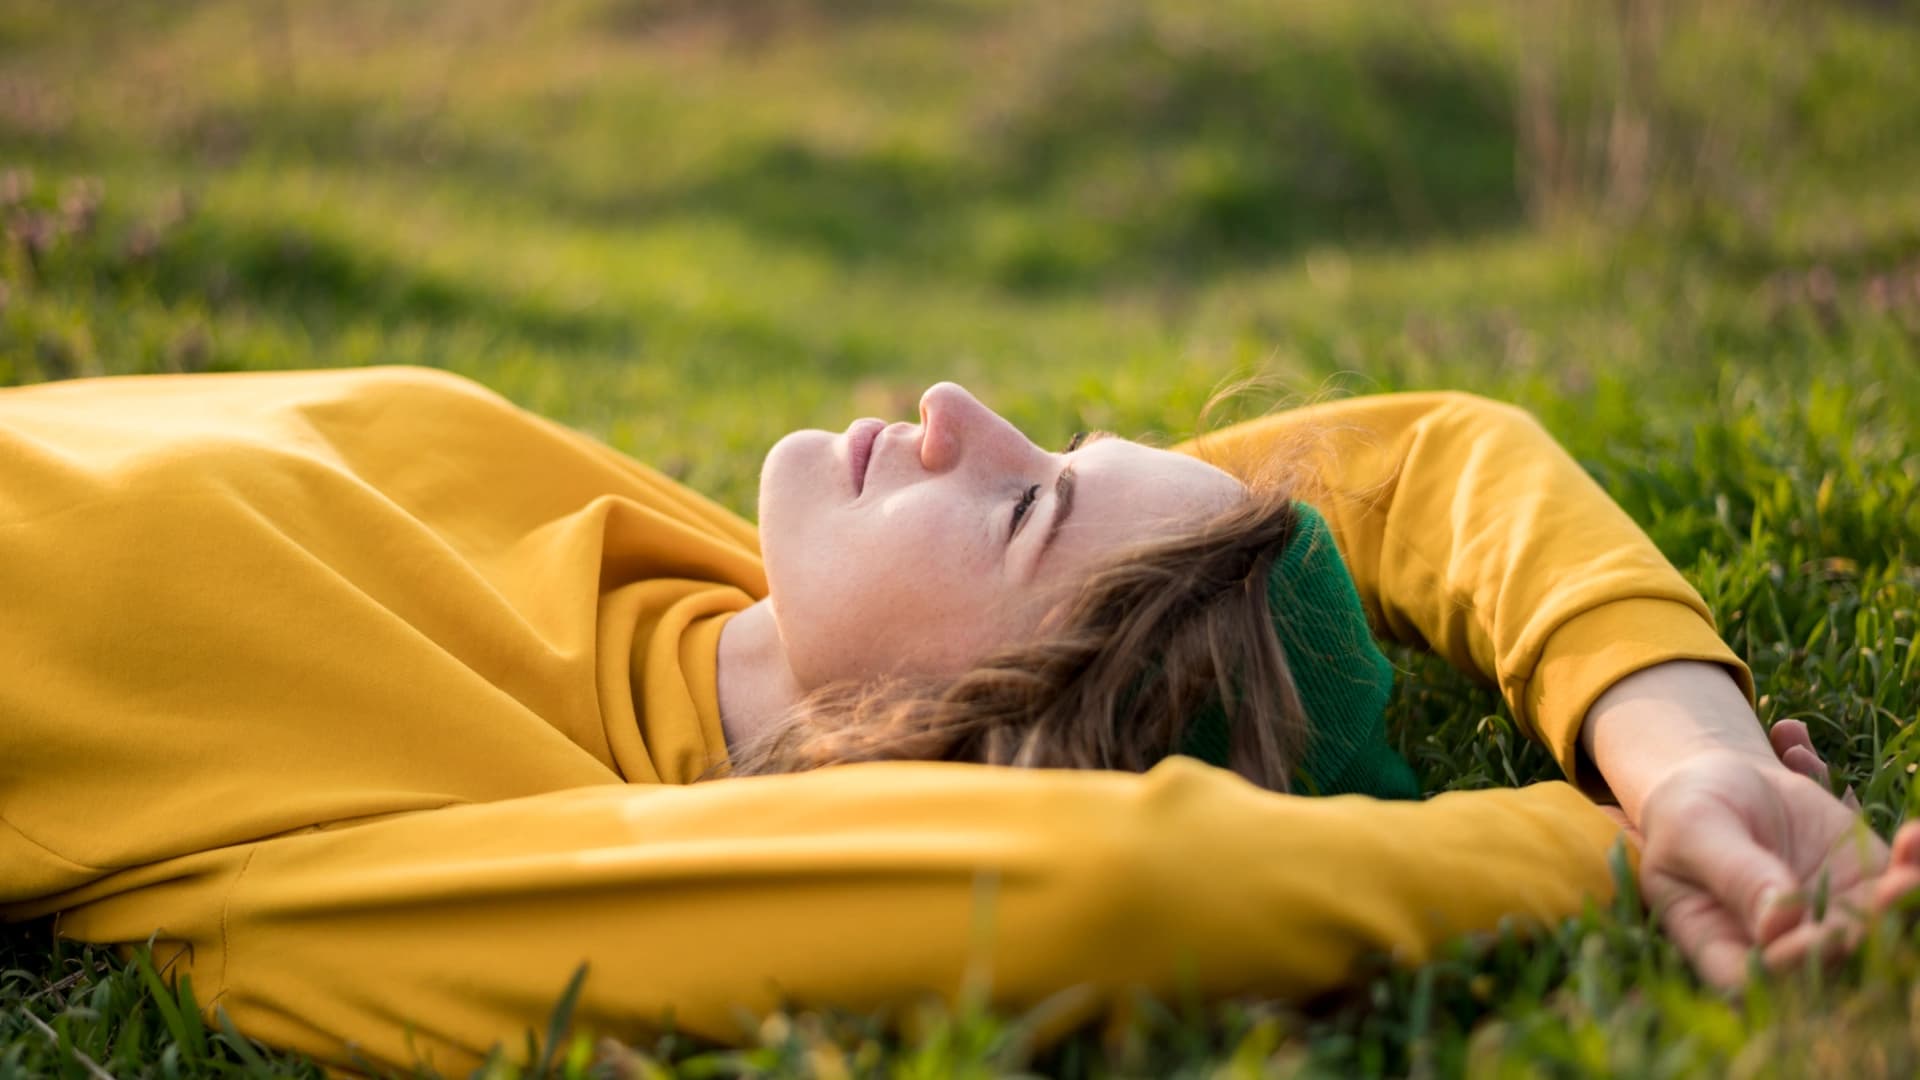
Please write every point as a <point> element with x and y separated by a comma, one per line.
<point>1597,648</point>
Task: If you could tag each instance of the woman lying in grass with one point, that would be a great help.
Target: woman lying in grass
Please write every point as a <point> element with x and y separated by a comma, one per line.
<point>377,704</point>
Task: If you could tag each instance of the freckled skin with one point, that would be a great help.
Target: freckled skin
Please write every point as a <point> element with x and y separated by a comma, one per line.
<point>915,572</point>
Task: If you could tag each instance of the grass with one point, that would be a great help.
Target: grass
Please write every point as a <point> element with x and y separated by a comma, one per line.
<point>1685,235</point>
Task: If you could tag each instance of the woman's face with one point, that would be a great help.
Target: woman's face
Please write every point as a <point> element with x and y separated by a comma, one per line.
<point>919,548</point>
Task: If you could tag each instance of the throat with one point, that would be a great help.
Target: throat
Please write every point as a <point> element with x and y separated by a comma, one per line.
<point>756,684</point>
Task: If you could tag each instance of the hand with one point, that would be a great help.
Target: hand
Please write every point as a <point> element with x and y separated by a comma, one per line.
<point>1737,851</point>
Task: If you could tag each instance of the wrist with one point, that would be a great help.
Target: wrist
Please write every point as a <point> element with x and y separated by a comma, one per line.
<point>1658,719</point>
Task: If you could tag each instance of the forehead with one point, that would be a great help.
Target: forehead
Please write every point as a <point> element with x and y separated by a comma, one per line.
<point>1126,493</point>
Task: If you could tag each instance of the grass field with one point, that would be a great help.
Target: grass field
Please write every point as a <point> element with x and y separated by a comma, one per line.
<point>1685,234</point>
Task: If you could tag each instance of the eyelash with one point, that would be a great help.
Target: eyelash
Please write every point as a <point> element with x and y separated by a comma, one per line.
<point>1021,507</point>
<point>1027,499</point>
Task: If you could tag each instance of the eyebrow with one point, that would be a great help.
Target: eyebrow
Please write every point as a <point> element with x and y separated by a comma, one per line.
<point>1063,497</point>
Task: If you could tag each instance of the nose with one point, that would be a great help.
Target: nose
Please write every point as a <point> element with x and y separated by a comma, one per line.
<point>958,427</point>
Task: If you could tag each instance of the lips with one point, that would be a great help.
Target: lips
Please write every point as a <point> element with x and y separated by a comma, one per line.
<point>860,439</point>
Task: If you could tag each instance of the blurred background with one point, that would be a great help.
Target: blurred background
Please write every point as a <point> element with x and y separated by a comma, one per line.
<point>690,225</point>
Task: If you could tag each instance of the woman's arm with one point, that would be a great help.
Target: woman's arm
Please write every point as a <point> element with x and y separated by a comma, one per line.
<point>1469,529</point>
<point>445,931</point>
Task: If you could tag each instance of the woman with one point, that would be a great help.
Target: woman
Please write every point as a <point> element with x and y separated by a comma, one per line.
<point>376,702</point>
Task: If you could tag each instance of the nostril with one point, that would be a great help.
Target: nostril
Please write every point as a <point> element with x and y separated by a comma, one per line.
<point>934,433</point>
<point>929,448</point>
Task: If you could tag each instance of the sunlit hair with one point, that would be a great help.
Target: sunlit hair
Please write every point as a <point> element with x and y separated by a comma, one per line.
<point>1114,678</point>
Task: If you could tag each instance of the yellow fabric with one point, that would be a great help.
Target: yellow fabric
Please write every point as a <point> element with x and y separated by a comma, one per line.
<point>274,601</point>
<point>1471,532</point>
<point>331,682</point>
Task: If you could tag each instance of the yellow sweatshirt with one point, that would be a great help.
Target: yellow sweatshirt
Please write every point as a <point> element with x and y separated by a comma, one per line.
<point>376,701</point>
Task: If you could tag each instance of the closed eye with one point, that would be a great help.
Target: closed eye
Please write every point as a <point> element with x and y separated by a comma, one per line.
<point>1063,483</point>
<point>1020,509</point>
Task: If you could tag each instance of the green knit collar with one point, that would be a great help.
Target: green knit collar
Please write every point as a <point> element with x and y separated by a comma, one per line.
<point>1342,677</point>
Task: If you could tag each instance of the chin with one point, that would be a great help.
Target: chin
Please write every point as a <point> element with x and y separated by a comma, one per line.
<point>796,483</point>
<point>794,471</point>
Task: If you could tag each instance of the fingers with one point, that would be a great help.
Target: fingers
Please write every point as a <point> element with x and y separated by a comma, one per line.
<point>1906,844</point>
<point>1897,889</point>
<point>1786,734</point>
<point>1712,941</point>
<point>1846,924</point>
<point>1833,938</point>
<point>1899,884</point>
<point>1826,943</point>
<point>1807,764</point>
<point>1793,745</point>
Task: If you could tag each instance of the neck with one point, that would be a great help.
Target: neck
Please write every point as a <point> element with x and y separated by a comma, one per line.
<point>756,685</point>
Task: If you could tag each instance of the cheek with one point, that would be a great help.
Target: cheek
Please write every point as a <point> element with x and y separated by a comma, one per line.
<point>892,588</point>
<point>929,598</point>
<point>839,624</point>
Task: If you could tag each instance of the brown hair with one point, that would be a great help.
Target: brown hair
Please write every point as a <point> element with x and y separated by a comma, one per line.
<point>1146,643</point>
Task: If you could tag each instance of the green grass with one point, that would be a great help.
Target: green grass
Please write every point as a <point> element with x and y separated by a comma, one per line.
<point>1691,246</point>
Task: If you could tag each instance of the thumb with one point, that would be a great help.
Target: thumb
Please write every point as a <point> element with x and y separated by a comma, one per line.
<point>1714,848</point>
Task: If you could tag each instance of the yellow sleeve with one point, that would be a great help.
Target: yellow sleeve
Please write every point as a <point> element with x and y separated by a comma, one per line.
<point>1468,529</point>
<point>445,931</point>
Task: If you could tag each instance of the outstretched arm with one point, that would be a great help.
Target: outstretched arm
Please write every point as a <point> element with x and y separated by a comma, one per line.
<point>444,931</point>
<point>1468,529</point>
